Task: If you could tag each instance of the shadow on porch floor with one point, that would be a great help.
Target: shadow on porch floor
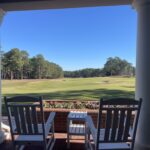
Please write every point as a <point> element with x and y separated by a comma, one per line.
<point>76,144</point>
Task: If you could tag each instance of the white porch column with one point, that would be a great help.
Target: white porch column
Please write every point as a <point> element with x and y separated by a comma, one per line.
<point>143,73</point>
<point>2,136</point>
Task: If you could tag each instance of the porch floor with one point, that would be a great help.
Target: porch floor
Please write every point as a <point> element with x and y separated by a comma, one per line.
<point>76,144</point>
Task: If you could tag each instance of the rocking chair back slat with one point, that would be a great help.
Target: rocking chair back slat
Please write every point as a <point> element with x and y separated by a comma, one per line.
<point>127,125</point>
<point>121,125</point>
<point>22,120</point>
<point>17,120</point>
<point>29,121</point>
<point>108,125</point>
<point>34,119</point>
<point>114,125</point>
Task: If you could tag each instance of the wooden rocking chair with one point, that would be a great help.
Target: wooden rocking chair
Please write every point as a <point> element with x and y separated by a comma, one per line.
<point>120,126</point>
<point>26,127</point>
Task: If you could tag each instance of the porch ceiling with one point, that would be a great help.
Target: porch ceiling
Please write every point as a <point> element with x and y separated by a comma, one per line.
<point>15,5</point>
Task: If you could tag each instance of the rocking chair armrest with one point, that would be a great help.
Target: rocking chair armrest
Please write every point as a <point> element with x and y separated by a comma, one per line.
<point>91,127</point>
<point>49,122</point>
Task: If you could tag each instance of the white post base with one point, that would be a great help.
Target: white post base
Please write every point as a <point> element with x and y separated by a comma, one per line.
<point>5,133</point>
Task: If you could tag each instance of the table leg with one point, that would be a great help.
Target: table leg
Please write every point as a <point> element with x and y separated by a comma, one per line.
<point>86,135</point>
<point>68,142</point>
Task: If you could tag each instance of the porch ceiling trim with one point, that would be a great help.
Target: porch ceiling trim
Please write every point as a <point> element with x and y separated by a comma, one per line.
<point>18,5</point>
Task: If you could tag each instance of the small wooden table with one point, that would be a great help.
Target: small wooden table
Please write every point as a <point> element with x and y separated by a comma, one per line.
<point>76,128</point>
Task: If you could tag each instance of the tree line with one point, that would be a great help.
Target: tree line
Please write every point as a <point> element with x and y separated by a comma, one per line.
<point>113,67</point>
<point>16,64</point>
<point>85,73</point>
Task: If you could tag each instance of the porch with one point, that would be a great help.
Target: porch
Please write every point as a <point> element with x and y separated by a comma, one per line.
<point>77,142</point>
<point>142,59</point>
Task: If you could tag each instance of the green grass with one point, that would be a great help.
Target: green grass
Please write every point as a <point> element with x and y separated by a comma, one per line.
<point>70,89</point>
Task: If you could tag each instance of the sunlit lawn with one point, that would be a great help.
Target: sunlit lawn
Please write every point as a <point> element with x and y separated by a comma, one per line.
<point>68,89</point>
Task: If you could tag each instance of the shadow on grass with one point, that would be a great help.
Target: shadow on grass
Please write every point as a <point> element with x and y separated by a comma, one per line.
<point>82,94</point>
<point>95,94</point>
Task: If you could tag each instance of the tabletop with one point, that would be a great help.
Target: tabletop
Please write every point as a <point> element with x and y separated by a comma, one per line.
<point>77,115</point>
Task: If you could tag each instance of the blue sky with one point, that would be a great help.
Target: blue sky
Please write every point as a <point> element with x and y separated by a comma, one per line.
<point>73,38</point>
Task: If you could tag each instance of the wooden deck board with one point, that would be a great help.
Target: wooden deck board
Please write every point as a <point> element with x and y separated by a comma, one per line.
<point>76,144</point>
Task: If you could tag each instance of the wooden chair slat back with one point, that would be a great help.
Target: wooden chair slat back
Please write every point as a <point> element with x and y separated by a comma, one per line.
<point>34,119</point>
<point>22,120</point>
<point>25,115</point>
<point>127,125</point>
<point>114,125</point>
<point>121,125</point>
<point>29,120</point>
<point>16,118</point>
<point>108,125</point>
